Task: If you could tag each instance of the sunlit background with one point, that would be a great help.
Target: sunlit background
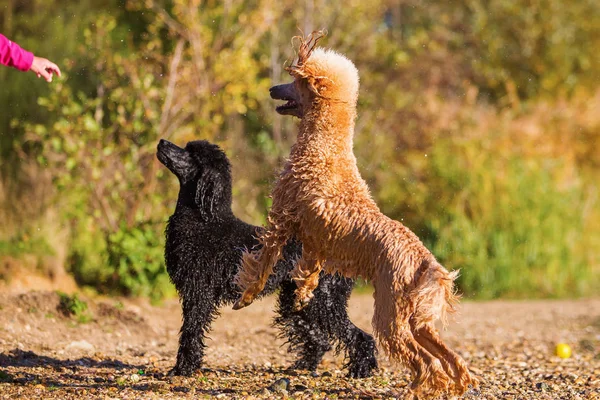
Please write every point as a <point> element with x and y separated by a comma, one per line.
<point>478,127</point>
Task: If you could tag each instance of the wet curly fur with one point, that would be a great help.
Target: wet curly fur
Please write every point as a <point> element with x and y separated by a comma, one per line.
<point>203,251</point>
<point>321,199</point>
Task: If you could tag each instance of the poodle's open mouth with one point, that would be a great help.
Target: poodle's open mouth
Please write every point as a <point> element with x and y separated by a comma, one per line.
<point>287,92</point>
<point>290,105</point>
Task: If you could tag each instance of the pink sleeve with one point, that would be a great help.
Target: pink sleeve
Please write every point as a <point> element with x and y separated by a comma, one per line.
<point>13,55</point>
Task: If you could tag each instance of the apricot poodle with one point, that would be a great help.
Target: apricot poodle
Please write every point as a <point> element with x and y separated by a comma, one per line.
<point>321,199</point>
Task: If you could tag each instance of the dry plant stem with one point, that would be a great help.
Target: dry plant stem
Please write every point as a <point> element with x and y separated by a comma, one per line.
<point>165,120</point>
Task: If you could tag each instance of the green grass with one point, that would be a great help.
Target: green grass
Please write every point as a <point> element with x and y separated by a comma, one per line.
<point>24,244</point>
<point>74,307</point>
<point>512,226</point>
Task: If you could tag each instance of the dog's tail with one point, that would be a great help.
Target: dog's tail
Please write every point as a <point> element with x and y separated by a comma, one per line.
<point>434,295</point>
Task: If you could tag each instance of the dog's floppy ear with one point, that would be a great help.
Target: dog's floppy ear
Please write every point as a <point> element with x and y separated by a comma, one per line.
<point>208,192</point>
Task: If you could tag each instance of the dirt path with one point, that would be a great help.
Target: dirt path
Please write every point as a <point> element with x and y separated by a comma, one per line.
<point>126,350</point>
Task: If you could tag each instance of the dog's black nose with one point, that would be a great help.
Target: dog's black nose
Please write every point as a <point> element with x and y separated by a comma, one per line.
<point>162,143</point>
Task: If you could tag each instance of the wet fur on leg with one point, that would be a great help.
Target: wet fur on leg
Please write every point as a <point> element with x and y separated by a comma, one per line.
<point>204,245</point>
<point>338,330</point>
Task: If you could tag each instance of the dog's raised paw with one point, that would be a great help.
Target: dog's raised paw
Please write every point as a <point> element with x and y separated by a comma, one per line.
<point>299,304</point>
<point>241,303</point>
<point>302,300</point>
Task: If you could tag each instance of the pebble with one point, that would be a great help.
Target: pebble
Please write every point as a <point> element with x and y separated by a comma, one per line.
<point>572,377</point>
<point>280,386</point>
<point>543,386</point>
<point>300,388</point>
<point>81,345</point>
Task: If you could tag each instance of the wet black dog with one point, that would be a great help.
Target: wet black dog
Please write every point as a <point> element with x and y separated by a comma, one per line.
<point>203,251</point>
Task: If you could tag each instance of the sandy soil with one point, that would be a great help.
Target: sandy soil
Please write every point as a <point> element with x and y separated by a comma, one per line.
<point>126,349</point>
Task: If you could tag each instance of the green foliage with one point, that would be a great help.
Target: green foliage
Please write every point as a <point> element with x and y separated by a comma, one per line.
<point>505,47</point>
<point>541,47</point>
<point>127,261</point>
<point>24,243</point>
<point>100,150</point>
<point>27,24</point>
<point>506,224</point>
<point>505,196</point>
<point>5,377</point>
<point>138,256</point>
<point>73,306</point>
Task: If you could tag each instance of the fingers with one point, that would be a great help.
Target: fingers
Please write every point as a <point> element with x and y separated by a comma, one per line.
<point>44,73</point>
<point>44,68</point>
<point>53,68</point>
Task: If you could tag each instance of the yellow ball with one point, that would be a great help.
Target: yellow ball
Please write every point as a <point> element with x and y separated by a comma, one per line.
<point>563,350</point>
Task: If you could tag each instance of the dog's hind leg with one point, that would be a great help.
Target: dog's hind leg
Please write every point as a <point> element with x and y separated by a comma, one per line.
<point>361,351</point>
<point>313,330</point>
<point>428,375</point>
<point>452,363</point>
<point>392,330</point>
<point>434,297</point>
<point>306,275</point>
<point>330,305</point>
<point>331,301</point>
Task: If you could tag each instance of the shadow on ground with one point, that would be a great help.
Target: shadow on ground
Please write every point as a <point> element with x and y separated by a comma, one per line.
<point>87,376</point>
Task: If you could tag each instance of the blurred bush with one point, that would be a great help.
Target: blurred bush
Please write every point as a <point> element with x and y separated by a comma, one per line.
<point>478,128</point>
<point>507,224</point>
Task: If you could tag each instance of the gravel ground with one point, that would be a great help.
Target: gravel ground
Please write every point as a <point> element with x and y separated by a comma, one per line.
<point>123,349</point>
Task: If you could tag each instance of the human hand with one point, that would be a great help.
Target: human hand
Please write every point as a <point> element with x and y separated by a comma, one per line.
<point>44,68</point>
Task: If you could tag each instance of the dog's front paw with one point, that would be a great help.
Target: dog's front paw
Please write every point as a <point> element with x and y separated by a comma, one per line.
<point>241,303</point>
<point>363,368</point>
<point>302,301</point>
<point>299,305</point>
<point>305,364</point>
<point>184,370</point>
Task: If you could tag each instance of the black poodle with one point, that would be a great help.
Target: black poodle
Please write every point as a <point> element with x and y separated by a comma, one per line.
<point>203,251</point>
